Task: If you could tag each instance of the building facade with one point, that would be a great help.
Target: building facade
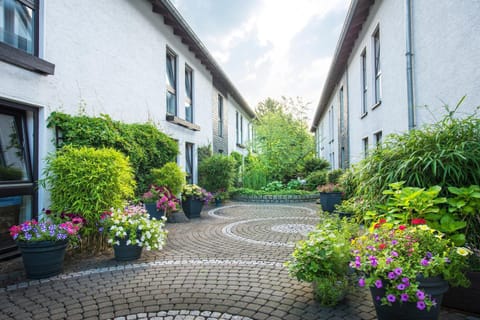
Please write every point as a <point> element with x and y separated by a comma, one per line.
<point>135,60</point>
<point>397,63</point>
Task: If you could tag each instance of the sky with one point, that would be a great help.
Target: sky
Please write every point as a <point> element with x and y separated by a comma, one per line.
<point>270,48</point>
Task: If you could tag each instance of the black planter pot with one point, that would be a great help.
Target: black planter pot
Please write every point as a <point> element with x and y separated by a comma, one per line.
<point>192,207</point>
<point>434,286</point>
<point>152,211</point>
<point>42,259</point>
<point>328,200</point>
<point>465,299</point>
<point>124,252</point>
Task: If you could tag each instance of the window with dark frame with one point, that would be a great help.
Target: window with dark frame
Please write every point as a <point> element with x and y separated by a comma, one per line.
<point>188,94</point>
<point>377,67</point>
<point>18,196</point>
<point>189,161</point>
<point>171,81</point>
<point>19,24</point>
<point>378,138</point>
<point>220,116</point>
<point>363,62</point>
<point>365,147</point>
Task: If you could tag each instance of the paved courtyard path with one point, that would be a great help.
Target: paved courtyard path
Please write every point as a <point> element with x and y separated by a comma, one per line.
<point>226,265</point>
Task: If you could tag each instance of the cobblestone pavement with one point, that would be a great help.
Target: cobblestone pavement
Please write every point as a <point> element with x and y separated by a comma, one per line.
<point>226,265</point>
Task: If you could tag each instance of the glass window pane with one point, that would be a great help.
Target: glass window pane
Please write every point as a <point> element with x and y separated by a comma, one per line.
<point>188,112</point>
<point>17,25</point>
<point>13,210</point>
<point>171,104</point>
<point>12,149</point>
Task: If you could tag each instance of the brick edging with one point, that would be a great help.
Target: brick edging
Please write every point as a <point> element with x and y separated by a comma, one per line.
<point>276,198</point>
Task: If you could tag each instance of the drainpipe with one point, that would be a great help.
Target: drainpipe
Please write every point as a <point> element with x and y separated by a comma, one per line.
<point>409,56</point>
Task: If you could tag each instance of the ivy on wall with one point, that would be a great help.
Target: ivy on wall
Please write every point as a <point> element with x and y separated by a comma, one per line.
<point>143,143</point>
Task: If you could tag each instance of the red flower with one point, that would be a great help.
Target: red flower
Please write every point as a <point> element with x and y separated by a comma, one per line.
<point>382,246</point>
<point>402,227</point>
<point>380,222</point>
<point>419,221</point>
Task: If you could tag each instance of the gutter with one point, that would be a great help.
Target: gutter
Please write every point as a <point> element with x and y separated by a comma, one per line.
<point>409,61</point>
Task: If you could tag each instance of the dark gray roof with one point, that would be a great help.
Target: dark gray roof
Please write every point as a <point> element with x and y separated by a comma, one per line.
<point>356,16</point>
<point>172,17</point>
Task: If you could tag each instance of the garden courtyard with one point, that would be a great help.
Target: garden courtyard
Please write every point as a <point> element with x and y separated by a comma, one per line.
<point>229,264</point>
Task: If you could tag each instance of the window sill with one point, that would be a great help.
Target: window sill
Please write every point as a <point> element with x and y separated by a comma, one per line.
<point>183,123</point>
<point>24,60</point>
<point>363,115</point>
<point>376,105</point>
<point>241,145</point>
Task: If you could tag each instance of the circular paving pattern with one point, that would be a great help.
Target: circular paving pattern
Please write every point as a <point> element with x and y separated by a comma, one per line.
<point>183,315</point>
<point>302,229</point>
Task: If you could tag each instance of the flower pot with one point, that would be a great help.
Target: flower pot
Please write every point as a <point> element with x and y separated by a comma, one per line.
<point>153,212</point>
<point>42,259</point>
<point>192,207</point>
<point>218,202</point>
<point>124,252</point>
<point>434,286</point>
<point>328,200</point>
<point>465,299</point>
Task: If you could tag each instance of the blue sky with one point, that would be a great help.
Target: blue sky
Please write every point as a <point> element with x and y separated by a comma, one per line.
<point>269,48</point>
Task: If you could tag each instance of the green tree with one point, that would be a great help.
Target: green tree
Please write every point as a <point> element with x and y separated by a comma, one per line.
<point>282,137</point>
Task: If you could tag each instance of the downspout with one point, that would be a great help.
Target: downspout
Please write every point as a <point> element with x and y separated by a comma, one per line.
<point>409,57</point>
<point>347,107</point>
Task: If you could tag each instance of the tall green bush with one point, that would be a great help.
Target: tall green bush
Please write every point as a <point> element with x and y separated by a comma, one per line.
<point>255,174</point>
<point>446,153</point>
<point>315,179</point>
<point>144,144</point>
<point>171,176</point>
<point>88,181</point>
<point>216,173</point>
<point>315,164</point>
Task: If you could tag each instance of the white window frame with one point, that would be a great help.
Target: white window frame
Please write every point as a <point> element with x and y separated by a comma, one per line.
<point>376,68</point>
<point>363,81</point>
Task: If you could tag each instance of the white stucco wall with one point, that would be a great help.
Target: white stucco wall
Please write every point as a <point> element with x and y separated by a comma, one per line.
<point>447,56</point>
<point>232,108</point>
<point>109,56</point>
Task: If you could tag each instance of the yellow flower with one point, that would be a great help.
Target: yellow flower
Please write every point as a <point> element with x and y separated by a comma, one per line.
<point>463,251</point>
<point>423,227</point>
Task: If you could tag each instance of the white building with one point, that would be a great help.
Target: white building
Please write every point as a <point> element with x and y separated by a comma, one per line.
<point>393,58</point>
<point>135,60</point>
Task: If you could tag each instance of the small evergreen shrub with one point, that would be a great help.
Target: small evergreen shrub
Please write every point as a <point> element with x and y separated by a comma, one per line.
<point>216,173</point>
<point>334,176</point>
<point>315,179</point>
<point>255,175</point>
<point>171,176</point>
<point>315,164</point>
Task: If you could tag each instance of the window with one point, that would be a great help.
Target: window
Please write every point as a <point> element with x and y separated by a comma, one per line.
<point>18,200</point>
<point>378,138</point>
<point>171,79</point>
<point>189,161</point>
<point>188,94</point>
<point>220,116</point>
<point>239,128</point>
<point>18,24</point>
<point>363,62</point>
<point>365,147</point>
<point>377,71</point>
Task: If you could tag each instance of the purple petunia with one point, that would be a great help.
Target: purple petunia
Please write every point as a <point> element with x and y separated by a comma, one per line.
<point>401,286</point>
<point>429,255</point>
<point>391,275</point>
<point>378,283</point>
<point>361,282</point>
<point>420,305</point>
<point>404,297</point>
<point>394,242</point>
<point>406,281</point>
<point>394,254</point>
<point>398,271</point>
<point>420,295</point>
<point>391,298</point>
<point>424,262</point>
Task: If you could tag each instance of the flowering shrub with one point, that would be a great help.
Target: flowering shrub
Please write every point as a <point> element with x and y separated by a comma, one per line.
<point>393,256</point>
<point>34,231</point>
<point>134,224</point>
<point>194,191</point>
<point>162,196</point>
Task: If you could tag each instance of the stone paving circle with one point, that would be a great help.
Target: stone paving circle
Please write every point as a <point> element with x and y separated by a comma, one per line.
<point>229,264</point>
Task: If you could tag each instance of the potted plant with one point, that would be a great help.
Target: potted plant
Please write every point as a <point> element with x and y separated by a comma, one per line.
<point>43,244</point>
<point>323,259</point>
<point>330,195</point>
<point>130,229</point>
<point>159,201</point>
<point>193,199</point>
<point>219,196</point>
<point>407,268</point>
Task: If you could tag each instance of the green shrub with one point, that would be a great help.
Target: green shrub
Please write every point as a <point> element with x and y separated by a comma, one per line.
<point>315,179</point>
<point>294,184</point>
<point>334,176</point>
<point>348,183</point>
<point>446,153</point>
<point>88,181</point>
<point>315,164</point>
<point>171,176</point>
<point>144,144</point>
<point>255,175</point>
<point>216,173</point>
<point>274,186</point>
<point>204,152</point>
<point>238,168</point>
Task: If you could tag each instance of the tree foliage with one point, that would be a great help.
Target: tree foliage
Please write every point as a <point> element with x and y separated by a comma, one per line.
<point>282,137</point>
